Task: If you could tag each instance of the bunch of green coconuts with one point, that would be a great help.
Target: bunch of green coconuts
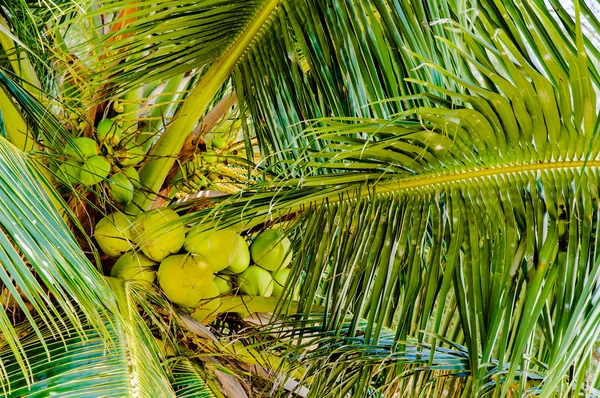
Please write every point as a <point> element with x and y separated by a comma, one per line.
<point>194,268</point>
<point>90,161</point>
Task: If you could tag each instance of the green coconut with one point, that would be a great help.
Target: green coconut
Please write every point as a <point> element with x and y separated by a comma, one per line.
<point>224,283</point>
<point>185,279</point>
<point>70,171</point>
<point>121,188</point>
<point>82,148</point>
<point>108,132</point>
<point>218,247</point>
<point>218,143</point>
<point>279,278</point>
<point>132,174</point>
<point>241,261</point>
<point>135,266</point>
<point>131,154</point>
<point>94,170</point>
<point>270,250</point>
<point>159,233</point>
<point>255,281</point>
<point>210,157</point>
<point>208,307</point>
<point>113,234</point>
<point>227,126</point>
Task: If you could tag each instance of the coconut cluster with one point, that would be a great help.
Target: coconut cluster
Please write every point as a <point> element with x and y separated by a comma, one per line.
<point>197,267</point>
<point>106,159</point>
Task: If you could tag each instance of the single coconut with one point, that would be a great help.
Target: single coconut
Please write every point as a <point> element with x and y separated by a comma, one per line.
<point>82,148</point>
<point>218,143</point>
<point>132,174</point>
<point>113,234</point>
<point>135,266</point>
<point>279,279</point>
<point>185,279</point>
<point>131,154</point>
<point>270,250</point>
<point>241,261</point>
<point>121,188</point>
<point>159,233</point>
<point>94,170</point>
<point>255,281</point>
<point>210,157</point>
<point>218,247</point>
<point>108,132</point>
<point>70,171</point>
<point>224,283</point>
<point>209,306</point>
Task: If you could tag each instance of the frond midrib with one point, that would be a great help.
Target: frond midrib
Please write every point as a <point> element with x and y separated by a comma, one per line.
<point>425,182</point>
<point>421,181</point>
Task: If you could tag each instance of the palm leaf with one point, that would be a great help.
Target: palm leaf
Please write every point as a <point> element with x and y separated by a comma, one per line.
<point>187,379</point>
<point>47,127</point>
<point>472,218</point>
<point>452,196</point>
<point>72,364</point>
<point>175,37</point>
<point>43,269</point>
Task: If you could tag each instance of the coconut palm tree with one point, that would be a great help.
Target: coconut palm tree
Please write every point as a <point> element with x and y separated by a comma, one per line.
<point>435,165</point>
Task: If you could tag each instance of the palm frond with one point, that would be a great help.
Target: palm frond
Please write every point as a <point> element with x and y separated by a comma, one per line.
<point>174,37</point>
<point>147,376</point>
<point>347,69</point>
<point>43,268</point>
<point>47,127</point>
<point>82,364</point>
<point>338,58</point>
<point>467,221</point>
<point>187,379</point>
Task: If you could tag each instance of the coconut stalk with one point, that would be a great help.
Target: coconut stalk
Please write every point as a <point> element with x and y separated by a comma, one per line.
<point>165,152</point>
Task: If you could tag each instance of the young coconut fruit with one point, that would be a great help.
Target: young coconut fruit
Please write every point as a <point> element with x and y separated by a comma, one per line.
<point>218,143</point>
<point>70,171</point>
<point>82,149</point>
<point>113,234</point>
<point>218,247</point>
<point>135,266</point>
<point>121,188</point>
<point>94,170</point>
<point>159,233</point>
<point>131,154</point>
<point>209,306</point>
<point>224,283</point>
<point>270,250</point>
<point>241,261</point>
<point>185,279</point>
<point>279,279</point>
<point>108,132</point>
<point>210,157</point>
<point>255,281</point>
<point>132,174</point>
